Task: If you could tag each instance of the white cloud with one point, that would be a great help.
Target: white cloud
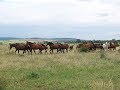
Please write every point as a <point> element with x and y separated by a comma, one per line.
<point>60,12</point>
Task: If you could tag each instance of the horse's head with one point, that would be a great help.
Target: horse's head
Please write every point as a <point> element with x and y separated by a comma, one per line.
<point>50,43</point>
<point>45,46</point>
<point>12,45</point>
<point>29,43</point>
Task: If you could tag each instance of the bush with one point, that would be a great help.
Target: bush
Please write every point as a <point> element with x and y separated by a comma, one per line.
<point>33,75</point>
<point>1,43</point>
<point>84,49</point>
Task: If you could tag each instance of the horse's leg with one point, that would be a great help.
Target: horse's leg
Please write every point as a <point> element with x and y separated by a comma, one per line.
<point>34,51</point>
<point>50,50</point>
<point>31,51</point>
<point>23,51</point>
<point>113,48</point>
<point>67,50</point>
<point>60,50</point>
<point>57,50</point>
<point>15,51</point>
<point>40,51</point>
<point>18,51</point>
<point>63,51</point>
<point>28,51</point>
<point>45,50</point>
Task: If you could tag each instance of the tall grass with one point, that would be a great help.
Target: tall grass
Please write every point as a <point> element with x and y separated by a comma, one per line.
<point>68,71</point>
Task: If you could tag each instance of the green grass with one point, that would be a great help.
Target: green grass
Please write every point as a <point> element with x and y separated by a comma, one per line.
<point>69,71</point>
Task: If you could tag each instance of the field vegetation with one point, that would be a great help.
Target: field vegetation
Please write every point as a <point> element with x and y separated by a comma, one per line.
<point>74,70</point>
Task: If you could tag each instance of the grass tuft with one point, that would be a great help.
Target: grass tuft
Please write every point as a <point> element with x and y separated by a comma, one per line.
<point>33,75</point>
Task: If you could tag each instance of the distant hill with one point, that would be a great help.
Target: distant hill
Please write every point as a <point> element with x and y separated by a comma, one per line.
<point>8,38</point>
<point>41,39</point>
<point>55,39</point>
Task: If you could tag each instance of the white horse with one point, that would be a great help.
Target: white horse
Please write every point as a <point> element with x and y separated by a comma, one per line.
<point>106,45</point>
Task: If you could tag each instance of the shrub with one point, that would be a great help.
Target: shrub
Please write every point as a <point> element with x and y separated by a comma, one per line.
<point>84,49</point>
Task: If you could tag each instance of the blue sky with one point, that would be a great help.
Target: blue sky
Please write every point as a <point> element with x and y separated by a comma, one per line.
<point>84,19</point>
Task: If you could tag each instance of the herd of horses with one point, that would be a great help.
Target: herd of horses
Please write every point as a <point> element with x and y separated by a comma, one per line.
<point>103,46</point>
<point>60,48</point>
<point>29,47</point>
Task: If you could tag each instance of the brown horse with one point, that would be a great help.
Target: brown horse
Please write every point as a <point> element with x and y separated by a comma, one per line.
<point>20,46</point>
<point>53,46</point>
<point>64,47</point>
<point>34,47</point>
<point>89,45</point>
<point>44,47</point>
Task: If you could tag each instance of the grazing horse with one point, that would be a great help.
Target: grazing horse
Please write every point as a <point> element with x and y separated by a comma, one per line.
<point>89,45</point>
<point>54,46</point>
<point>34,47</point>
<point>64,47</point>
<point>20,46</point>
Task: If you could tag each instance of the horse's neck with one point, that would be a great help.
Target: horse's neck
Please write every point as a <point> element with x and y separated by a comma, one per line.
<point>14,45</point>
<point>43,45</point>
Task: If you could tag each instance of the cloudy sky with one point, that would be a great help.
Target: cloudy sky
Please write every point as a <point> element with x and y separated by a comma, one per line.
<point>84,19</point>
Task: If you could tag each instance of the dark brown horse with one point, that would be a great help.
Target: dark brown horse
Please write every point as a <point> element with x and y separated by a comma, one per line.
<point>71,47</point>
<point>20,46</point>
<point>98,45</point>
<point>34,46</point>
<point>53,47</point>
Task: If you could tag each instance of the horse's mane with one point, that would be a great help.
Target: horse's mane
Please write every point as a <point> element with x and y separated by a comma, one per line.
<point>50,43</point>
<point>30,43</point>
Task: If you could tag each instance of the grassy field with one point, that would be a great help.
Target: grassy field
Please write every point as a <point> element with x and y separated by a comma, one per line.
<point>69,71</point>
